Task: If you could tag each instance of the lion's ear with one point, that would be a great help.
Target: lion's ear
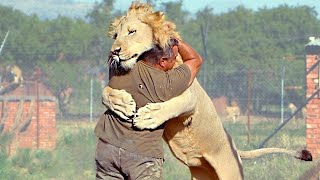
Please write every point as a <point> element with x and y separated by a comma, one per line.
<point>113,26</point>
<point>156,21</point>
<point>138,8</point>
<point>170,28</point>
<point>155,18</point>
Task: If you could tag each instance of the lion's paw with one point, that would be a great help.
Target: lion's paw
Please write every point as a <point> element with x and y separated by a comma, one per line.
<point>119,101</point>
<point>149,117</point>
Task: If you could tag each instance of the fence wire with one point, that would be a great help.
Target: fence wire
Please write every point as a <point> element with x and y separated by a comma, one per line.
<point>255,97</point>
<point>253,103</point>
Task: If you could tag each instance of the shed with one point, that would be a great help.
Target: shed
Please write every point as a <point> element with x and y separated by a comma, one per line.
<point>313,96</point>
<point>28,115</point>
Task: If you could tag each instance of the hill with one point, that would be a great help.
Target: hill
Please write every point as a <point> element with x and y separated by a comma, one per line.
<point>49,9</point>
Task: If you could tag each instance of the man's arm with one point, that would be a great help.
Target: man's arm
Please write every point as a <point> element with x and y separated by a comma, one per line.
<point>191,58</point>
<point>176,81</point>
<point>152,115</point>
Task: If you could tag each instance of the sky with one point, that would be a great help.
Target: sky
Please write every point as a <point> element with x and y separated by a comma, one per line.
<point>78,8</point>
<point>225,5</point>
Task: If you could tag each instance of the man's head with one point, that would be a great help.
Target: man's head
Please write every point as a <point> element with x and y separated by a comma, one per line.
<point>163,59</point>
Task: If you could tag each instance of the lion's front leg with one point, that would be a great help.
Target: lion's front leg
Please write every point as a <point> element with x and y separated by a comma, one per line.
<point>119,101</point>
<point>153,115</point>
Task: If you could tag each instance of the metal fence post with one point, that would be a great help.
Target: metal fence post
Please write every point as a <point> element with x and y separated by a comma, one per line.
<point>282,90</point>
<point>249,103</point>
<point>91,98</point>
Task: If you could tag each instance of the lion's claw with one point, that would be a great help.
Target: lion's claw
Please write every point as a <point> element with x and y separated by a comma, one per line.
<point>149,117</point>
<point>119,101</point>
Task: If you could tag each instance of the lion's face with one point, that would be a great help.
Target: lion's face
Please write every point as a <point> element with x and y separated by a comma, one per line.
<point>132,38</point>
<point>137,32</point>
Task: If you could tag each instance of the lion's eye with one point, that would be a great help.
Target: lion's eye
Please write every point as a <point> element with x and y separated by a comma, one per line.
<point>131,32</point>
<point>115,36</point>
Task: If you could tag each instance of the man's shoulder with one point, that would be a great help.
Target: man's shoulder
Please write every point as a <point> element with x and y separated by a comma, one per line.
<point>181,70</point>
<point>147,70</point>
<point>144,65</point>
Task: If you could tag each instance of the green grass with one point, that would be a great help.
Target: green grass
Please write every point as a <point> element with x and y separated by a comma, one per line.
<point>276,166</point>
<point>73,157</point>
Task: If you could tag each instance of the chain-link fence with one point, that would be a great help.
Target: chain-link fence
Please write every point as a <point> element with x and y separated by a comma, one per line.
<point>255,102</point>
<point>256,97</point>
<point>259,99</point>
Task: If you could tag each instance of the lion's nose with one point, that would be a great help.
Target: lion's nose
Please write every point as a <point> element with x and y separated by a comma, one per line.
<point>116,51</point>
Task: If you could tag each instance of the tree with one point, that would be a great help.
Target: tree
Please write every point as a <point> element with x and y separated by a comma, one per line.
<point>175,13</point>
<point>100,17</point>
<point>59,76</point>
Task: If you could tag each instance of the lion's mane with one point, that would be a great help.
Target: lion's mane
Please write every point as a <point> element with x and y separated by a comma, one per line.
<point>162,29</point>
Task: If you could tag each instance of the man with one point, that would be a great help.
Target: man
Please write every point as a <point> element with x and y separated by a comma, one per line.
<point>124,152</point>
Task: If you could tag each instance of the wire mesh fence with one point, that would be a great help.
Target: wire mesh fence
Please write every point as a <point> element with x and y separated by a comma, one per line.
<point>251,102</point>
<point>255,97</point>
<point>254,102</point>
<point>253,87</point>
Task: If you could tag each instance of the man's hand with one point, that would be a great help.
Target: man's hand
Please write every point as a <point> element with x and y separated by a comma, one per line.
<point>191,58</point>
<point>119,101</point>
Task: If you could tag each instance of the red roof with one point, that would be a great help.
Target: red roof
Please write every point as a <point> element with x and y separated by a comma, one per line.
<point>28,88</point>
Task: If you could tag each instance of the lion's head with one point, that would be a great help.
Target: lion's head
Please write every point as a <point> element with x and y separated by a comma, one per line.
<point>136,32</point>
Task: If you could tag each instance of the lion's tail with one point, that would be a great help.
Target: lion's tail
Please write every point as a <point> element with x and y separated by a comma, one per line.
<point>304,155</point>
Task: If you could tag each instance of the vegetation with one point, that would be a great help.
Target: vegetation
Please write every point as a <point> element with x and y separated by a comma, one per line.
<point>233,44</point>
<point>73,157</point>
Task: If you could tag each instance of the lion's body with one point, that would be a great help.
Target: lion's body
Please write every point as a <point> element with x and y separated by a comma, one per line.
<point>200,141</point>
<point>233,112</point>
<point>197,137</point>
<point>206,159</point>
<point>12,74</point>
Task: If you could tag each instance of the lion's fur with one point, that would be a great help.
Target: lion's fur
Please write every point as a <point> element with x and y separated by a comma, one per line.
<point>162,29</point>
<point>233,112</point>
<point>197,138</point>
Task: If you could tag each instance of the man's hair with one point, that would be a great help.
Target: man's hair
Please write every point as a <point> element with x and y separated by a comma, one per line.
<point>156,52</point>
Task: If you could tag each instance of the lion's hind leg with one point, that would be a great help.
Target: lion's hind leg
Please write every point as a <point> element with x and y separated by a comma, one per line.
<point>226,167</point>
<point>226,161</point>
<point>203,172</point>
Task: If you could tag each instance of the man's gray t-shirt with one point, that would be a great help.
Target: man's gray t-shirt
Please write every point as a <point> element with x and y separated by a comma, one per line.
<point>146,84</point>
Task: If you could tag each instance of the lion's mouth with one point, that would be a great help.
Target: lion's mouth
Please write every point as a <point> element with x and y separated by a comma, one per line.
<point>133,56</point>
<point>118,59</point>
<point>115,60</point>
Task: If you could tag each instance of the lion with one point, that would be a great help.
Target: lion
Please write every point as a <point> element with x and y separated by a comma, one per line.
<point>194,133</point>
<point>11,78</point>
<point>233,112</point>
<point>16,73</point>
